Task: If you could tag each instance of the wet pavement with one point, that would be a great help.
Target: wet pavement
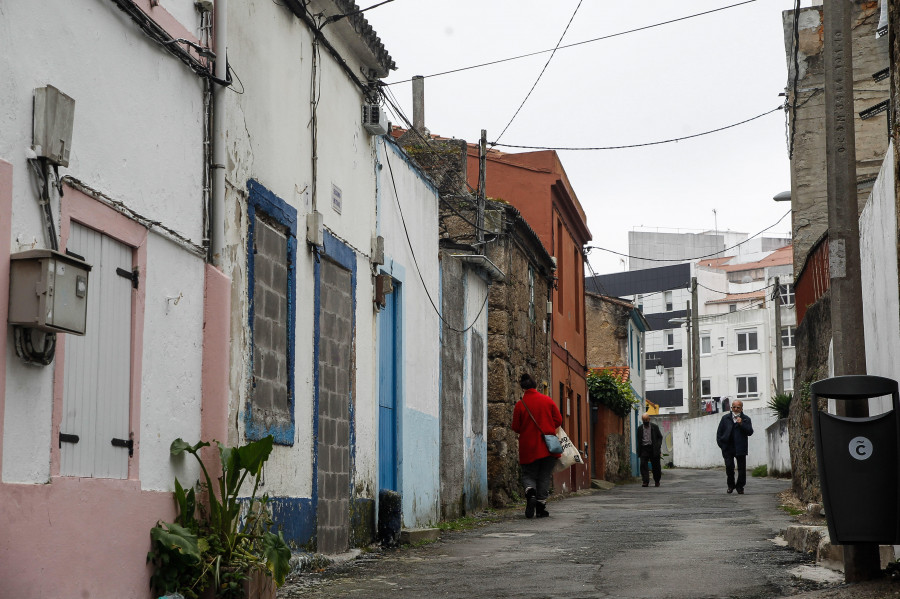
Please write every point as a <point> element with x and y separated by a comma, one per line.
<point>685,539</point>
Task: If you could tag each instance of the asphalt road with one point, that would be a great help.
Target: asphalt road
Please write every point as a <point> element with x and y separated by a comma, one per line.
<point>686,539</point>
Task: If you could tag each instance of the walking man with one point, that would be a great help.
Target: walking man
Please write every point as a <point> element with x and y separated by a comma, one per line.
<point>734,428</point>
<point>649,442</point>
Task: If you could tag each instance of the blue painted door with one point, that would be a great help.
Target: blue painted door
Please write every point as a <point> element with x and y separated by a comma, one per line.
<point>389,391</point>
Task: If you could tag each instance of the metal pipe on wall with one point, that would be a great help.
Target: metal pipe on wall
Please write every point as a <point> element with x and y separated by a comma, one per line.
<point>217,201</point>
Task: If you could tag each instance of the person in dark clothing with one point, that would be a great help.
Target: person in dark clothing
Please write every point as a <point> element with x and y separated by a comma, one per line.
<point>734,428</point>
<point>534,416</point>
<point>649,444</point>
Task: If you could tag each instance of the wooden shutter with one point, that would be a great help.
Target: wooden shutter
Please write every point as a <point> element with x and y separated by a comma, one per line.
<point>97,381</point>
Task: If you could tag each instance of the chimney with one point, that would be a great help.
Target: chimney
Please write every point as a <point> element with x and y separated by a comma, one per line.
<point>418,88</point>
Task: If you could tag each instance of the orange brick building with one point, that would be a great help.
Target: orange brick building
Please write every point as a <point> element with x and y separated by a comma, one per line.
<point>536,184</point>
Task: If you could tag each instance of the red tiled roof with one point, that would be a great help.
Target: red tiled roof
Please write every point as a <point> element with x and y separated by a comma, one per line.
<point>620,372</point>
<point>779,257</point>
<point>740,297</point>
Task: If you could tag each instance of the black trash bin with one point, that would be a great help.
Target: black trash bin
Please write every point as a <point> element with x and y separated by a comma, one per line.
<point>859,462</point>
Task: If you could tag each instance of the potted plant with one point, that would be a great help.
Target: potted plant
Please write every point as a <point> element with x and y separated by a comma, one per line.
<point>222,547</point>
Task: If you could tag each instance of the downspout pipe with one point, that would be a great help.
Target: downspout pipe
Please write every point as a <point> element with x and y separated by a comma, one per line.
<point>484,262</point>
<point>217,201</point>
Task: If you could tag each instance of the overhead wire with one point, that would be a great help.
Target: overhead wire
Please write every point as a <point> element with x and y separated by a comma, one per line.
<point>416,262</point>
<point>541,74</point>
<point>566,46</point>
<point>682,260</point>
<point>780,107</point>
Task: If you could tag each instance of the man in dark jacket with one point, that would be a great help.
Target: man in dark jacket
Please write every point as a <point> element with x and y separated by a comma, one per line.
<point>734,428</point>
<point>649,444</point>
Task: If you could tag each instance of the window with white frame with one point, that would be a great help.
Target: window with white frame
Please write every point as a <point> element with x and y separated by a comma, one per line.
<point>667,297</point>
<point>787,336</point>
<point>705,345</point>
<point>670,378</point>
<point>670,339</point>
<point>746,388</point>
<point>786,292</point>
<point>705,388</point>
<point>746,340</point>
<point>722,342</point>
<point>788,377</point>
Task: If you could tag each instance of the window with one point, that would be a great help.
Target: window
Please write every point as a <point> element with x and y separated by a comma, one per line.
<point>788,379</point>
<point>787,294</point>
<point>576,263</point>
<point>722,342</point>
<point>746,388</point>
<point>787,336</point>
<point>732,307</point>
<point>705,345</point>
<point>560,274</point>
<point>531,293</point>
<point>746,340</point>
<point>272,250</point>
<point>705,388</point>
<point>670,339</point>
<point>667,297</point>
<point>670,378</point>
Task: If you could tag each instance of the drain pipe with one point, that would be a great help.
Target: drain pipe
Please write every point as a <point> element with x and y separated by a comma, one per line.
<point>217,202</point>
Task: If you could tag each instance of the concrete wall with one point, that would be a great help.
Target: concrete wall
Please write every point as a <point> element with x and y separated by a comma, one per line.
<point>778,450</point>
<point>408,205</point>
<point>695,440</point>
<point>878,253</point>
<point>136,174</point>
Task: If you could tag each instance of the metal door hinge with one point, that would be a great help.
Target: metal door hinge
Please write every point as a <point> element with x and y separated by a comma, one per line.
<point>66,438</point>
<point>129,443</point>
<point>129,274</point>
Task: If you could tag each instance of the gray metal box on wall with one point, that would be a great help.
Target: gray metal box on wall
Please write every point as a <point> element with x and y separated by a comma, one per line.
<point>54,117</point>
<point>48,291</point>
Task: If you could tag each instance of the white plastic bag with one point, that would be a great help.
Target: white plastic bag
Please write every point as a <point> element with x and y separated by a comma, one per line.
<point>570,454</point>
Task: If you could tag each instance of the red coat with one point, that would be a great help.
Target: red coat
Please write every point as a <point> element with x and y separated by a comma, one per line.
<point>531,440</point>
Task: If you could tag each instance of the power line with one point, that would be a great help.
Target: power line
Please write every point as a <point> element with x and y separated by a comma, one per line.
<point>681,260</point>
<point>652,143</point>
<point>596,39</point>
<point>412,252</point>
<point>541,74</point>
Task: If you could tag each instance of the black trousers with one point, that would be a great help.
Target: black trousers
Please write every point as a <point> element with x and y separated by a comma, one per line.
<point>741,471</point>
<point>645,454</point>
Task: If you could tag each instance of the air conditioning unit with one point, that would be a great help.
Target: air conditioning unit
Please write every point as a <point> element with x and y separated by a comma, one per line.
<point>374,119</point>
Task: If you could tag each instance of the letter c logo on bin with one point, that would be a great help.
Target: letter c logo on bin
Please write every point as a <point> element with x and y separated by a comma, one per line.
<point>860,448</point>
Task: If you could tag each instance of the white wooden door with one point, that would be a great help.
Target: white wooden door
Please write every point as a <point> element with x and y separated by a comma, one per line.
<point>96,393</point>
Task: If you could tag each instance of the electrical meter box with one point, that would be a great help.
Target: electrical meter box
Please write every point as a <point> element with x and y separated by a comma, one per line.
<point>48,291</point>
<point>54,117</point>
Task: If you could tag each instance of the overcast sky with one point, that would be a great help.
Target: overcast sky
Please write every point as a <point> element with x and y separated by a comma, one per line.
<point>664,82</point>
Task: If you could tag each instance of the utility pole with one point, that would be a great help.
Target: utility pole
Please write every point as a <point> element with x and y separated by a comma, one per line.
<point>779,360</point>
<point>695,346</point>
<point>861,560</point>
<point>482,172</point>
<point>692,404</point>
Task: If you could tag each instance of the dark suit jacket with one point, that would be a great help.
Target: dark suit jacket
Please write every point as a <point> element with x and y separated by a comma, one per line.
<point>728,430</point>
<point>655,439</point>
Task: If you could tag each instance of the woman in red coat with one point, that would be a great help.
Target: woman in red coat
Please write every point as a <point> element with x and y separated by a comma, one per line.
<point>534,416</point>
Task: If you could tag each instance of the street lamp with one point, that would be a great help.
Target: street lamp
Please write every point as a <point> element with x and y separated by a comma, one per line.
<point>659,367</point>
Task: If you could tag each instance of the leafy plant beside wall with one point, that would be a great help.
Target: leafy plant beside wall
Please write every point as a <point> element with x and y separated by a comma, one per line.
<point>211,550</point>
<point>612,392</point>
<point>781,404</point>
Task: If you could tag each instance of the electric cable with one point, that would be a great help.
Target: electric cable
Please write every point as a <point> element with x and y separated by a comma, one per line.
<point>416,262</point>
<point>541,74</point>
<point>682,260</point>
<point>566,46</point>
<point>651,143</point>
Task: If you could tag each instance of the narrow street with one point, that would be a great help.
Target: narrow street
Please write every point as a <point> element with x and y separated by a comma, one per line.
<point>685,539</point>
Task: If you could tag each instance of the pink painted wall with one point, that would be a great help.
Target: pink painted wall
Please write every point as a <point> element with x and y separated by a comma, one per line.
<point>216,343</point>
<point>6,173</point>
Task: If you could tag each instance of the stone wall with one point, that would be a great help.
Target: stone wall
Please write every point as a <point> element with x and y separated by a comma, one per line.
<point>812,342</point>
<point>618,458</point>
<point>518,341</point>
<point>870,55</point>
<point>606,326</point>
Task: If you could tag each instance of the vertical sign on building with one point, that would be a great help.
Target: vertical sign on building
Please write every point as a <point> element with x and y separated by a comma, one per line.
<point>337,200</point>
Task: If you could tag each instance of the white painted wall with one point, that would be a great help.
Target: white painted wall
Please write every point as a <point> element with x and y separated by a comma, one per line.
<point>270,140</point>
<point>138,139</point>
<point>878,253</point>
<point>408,206</point>
<point>694,440</point>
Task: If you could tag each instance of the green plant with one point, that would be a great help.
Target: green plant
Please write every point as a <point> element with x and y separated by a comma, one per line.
<point>792,510</point>
<point>612,392</point>
<point>781,404</point>
<point>759,471</point>
<point>212,545</point>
